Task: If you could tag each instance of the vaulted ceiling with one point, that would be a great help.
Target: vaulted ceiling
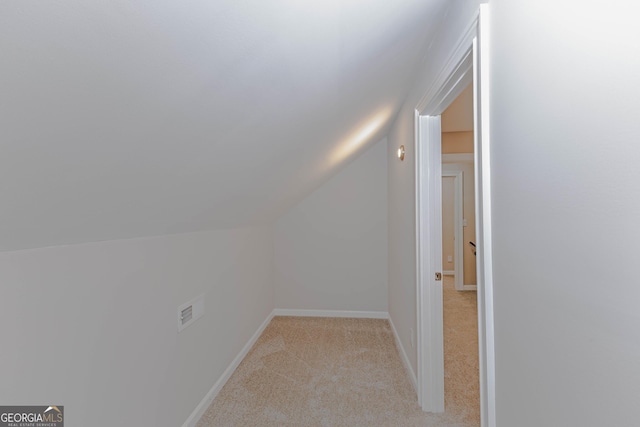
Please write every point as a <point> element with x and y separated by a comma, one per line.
<point>136,118</point>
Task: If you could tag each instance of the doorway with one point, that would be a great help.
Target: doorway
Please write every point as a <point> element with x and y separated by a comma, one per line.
<point>468,62</point>
<point>460,308</point>
<point>458,191</point>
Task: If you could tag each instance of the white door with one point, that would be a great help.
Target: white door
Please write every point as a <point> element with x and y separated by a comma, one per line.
<point>430,337</point>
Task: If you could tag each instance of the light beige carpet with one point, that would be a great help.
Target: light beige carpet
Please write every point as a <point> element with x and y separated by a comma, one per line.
<point>323,372</point>
<point>461,366</point>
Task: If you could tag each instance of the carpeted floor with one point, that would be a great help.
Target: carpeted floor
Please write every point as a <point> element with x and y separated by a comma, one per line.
<point>306,371</point>
<point>461,365</point>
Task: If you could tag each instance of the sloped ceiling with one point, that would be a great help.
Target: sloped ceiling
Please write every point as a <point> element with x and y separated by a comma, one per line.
<point>136,118</point>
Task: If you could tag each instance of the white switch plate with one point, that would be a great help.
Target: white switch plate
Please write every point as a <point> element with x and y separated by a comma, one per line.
<point>464,222</point>
<point>449,258</point>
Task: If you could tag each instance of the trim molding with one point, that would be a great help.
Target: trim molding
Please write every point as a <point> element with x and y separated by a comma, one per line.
<point>404,357</point>
<point>484,261</point>
<point>331,313</point>
<point>211,395</point>
<point>448,273</point>
<point>443,90</point>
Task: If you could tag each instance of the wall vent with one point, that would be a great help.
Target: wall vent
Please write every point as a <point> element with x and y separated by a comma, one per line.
<point>190,312</point>
<point>186,315</point>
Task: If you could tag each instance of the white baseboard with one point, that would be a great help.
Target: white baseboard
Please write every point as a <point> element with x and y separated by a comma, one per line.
<point>331,313</point>
<point>470,288</point>
<point>405,358</point>
<point>211,395</point>
<point>448,273</point>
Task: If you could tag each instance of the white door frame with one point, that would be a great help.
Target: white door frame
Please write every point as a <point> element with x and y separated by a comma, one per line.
<point>469,61</point>
<point>458,230</point>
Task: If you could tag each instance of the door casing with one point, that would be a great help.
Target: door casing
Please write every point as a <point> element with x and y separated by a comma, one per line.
<point>469,61</point>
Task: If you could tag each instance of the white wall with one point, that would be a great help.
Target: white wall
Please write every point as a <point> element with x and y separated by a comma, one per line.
<point>565,131</point>
<point>93,327</point>
<point>566,202</point>
<point>402,218</point>
<point>331,248</point>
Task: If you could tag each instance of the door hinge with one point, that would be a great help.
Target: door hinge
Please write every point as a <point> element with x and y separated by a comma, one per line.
<point>438,277</point>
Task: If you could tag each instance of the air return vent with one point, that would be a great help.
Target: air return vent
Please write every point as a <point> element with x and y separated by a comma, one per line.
<point>186,315</point>
<point>190,312</point>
